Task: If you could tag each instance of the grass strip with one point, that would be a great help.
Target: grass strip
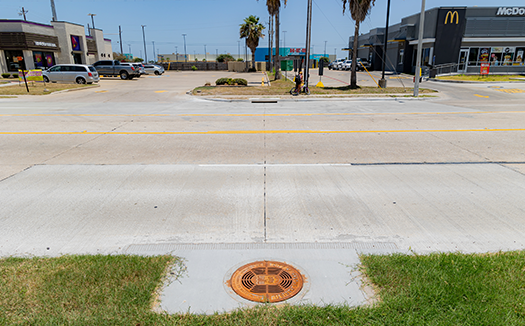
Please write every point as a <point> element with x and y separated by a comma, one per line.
<point>485,78</point>
<point>436,289</point>
<point>38,88</point>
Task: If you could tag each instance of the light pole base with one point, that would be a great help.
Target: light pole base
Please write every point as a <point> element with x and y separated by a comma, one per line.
<point>382,83</point>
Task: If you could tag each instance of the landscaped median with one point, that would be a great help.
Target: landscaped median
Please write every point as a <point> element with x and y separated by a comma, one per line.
<point>38,88</point>
<point>282,87</point>
<point>436,289</point>
<point>483,78</point>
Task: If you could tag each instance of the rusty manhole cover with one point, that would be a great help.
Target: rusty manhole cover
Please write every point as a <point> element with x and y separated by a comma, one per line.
<point>266,281</point>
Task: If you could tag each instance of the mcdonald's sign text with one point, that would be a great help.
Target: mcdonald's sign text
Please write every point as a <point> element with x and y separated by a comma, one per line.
<point>452,15</point>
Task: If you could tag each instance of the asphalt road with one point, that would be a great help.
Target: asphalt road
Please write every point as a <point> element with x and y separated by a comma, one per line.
<point>140,162</point>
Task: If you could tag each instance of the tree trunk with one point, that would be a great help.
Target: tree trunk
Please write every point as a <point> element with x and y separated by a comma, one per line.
<point>253,58</point>
<point>277,51</point>
<point>353,78</point>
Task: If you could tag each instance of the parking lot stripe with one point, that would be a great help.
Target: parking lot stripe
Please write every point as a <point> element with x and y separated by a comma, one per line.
<point>483,96</point>
<point>160,91</point>
<point>234,132</point>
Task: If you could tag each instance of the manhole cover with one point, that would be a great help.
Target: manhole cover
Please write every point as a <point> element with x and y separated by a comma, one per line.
<point>266,281</point>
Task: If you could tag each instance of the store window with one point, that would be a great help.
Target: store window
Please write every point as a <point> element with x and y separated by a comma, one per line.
<point>496,56</point>
<point>43,59</point>
<point>14,60</point>
<point>519,61</point>
<point>473,56</point>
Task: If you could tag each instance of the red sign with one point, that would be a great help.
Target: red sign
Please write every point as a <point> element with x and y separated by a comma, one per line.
<point>485,67</point>
<point>297,50</point>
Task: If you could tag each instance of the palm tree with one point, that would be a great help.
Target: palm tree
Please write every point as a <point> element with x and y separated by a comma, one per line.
<point>359,9</point>
<point>273,9</point>
<point>251,30</point>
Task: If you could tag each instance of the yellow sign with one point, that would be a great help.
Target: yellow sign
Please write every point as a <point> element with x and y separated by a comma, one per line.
<point>452,15</point>
<point>31,75</point>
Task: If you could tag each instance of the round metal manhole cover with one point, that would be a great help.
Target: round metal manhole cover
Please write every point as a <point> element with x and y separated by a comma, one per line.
<point>266,281</point>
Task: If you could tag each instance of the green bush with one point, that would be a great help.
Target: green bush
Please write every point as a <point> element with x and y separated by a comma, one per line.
<point>15,75</point>
<point>240,60</point>
<point>193,68</point>
<point>224,58</point>
<point>223,81</point>
<point>239,81</point>
<point>6,75</point>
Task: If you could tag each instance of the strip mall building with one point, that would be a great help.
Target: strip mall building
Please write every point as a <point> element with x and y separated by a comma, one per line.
<point>463,37</point>
<point>30,45</point>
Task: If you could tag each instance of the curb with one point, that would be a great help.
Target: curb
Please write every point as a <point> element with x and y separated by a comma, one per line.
<point>472,82</point>
<point>74,89</point>
<point>277,100</point>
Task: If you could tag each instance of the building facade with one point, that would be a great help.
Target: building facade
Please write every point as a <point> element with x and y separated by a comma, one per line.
<point>30,45</point>
<point>461,37</point>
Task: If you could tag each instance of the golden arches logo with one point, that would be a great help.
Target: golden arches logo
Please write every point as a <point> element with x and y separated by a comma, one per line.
<point>452,15</point>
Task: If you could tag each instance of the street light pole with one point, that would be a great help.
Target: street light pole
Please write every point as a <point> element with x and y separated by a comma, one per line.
<point>308,40</point>
<point>325,47</point>
<point>177,53</point>
<point>419,48</point>
<point>144,38</point>
<point>154,51</point>
<point>205,55</point>
<point>382,81</point>
<point>185,54</point>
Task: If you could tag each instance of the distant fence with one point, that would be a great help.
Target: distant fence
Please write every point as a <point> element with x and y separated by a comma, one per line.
<point>198,64</point>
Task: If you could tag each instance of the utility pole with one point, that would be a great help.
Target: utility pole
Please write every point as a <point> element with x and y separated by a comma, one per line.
<point>270,35</point>
<point>284,39</point>
<point>205,55</point>
<point>238,49</point>
<point>308,40</point>
<point>185,54</point>
<point>23,12</point>
<point>53,10</point>
<point>419,48</point>
<point>277,58</point>
<point>154,57</point>
<point>92,20</point>
<point>325,48</point>
<point>382,81</point>
<point>144,39</point>
<point>120,36</point>
<point>129,47</point>
<point>177,53</point>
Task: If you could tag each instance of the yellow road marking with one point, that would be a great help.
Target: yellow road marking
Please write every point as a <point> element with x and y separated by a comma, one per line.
<point>160,91</point>
<point>510,90</point>
<point>84,115</point>
<point>481,96</point>
<point>237,132</point>
<point>101,91</point>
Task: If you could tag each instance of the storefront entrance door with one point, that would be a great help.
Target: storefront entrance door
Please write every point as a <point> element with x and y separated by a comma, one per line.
<point>77,58</point>
<point>462,64</point>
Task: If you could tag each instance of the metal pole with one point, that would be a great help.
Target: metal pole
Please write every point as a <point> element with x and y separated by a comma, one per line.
<point>185,54</point>
<point>419,48</point>
<point>154,57</point>
<point>238,49</point>
<point>120,36</point>
<point>284,39</point>
<point>205,55</point>
<point>129,46</point>
<point>177,53</point>
<point>325,48</point>
<point>382,81</point>
<point>277,57</point>
<point>144,38</point>
<point>92,20</point>
<point>308,40</point>
<point>53,10</point>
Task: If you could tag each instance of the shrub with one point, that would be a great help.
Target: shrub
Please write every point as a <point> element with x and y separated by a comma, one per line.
<point>252,69</point>
<point>224,58</point>
<point>193,68</point>
<point>6,75</point>
<point>239,81</point>
<point>325,59</point>
<point>240,59</point>
<point>223,81</point>
<point>15,75</point>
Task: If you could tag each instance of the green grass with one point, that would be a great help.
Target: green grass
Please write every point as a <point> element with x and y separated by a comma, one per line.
<point>38,88</point>
<point>437,289</point>
<point>485,78</point>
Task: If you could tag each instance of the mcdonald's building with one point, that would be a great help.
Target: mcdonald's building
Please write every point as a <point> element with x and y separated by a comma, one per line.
<point>462,38</point>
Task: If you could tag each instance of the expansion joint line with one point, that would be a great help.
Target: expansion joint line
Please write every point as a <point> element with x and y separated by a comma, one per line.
<point>264,166</point>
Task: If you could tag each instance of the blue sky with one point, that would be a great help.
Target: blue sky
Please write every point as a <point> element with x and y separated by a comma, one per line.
<point>215,23</point>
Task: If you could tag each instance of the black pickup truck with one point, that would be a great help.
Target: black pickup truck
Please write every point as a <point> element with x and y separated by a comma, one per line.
<point>114,68</point>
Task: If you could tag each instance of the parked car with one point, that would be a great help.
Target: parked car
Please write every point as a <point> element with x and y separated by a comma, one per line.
<point>333,64</point>
<point>136,72</point>
<point>154,69</point>
<point>71,73</point>
<point>345,65</point>
<point>114,68</point>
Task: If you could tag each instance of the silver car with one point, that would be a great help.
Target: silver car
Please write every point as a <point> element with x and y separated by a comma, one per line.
<point>154,69</point>
<point>72,73</point>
